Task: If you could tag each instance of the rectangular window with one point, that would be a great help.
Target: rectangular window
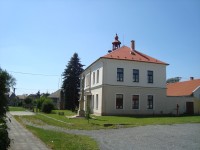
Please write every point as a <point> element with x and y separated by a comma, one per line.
<point>119,101</point>
<point>87,80</point>
<point>135,102</point>
<point>150,102</point>
<point>120,74</point>
<point>135,75</point>
<point>150,76</point>
<point>93,77</point>
<point>97,101</point>
<point>97,76</point>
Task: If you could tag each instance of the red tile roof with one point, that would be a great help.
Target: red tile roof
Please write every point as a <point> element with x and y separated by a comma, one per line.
<point>126,53</point>
<point>185,88</point>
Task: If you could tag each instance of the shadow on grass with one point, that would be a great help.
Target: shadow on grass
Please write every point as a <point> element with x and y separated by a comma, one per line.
<point>149,116</point>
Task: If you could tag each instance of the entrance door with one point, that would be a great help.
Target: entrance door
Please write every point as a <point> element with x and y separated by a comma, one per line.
<point>190,108</point>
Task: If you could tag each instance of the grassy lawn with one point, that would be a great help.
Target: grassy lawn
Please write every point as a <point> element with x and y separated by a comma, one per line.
<point>105,122</point>
<point>62,141</point>
<point>11,108</point>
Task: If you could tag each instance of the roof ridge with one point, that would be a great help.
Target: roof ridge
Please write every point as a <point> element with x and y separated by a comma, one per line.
<point>185,81</point>
<point>142,54</point>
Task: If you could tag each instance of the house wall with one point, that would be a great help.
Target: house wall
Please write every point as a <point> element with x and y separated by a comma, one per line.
<point>110,73</point>
<point>196,93</point>
<point>94,68</point>
<point>171,104</point>
<point>108,87</point>
<point>93,103</point>
<point>93,87</point>
<point>196,106</point>
<point>109,100</point>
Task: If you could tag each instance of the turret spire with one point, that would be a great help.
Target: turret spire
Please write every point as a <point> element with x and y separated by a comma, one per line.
<point>116,43</point>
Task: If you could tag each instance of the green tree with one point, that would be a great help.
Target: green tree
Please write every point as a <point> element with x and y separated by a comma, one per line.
<point>173,80</point>
<point>47,105</point>
<point>28,102</point>
<point>71,82</point>
<point>6,82</point>
<point>39,102</point>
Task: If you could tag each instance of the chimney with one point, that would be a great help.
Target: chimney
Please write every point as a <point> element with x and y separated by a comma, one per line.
<point>191,78</point>
<point>132,45</point>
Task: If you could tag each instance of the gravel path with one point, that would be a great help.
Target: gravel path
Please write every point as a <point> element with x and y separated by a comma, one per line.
<point>151,137</point>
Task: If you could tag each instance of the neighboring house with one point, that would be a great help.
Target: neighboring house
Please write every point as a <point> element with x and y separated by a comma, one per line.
<point>21,98</point>
<point>33,96</point>
<point>125,82</point>
<point>12,99</point>
<point>186,94</point>
<point>58,99</point>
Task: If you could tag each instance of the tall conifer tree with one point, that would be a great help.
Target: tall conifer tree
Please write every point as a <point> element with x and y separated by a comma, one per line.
<point>71,82</point>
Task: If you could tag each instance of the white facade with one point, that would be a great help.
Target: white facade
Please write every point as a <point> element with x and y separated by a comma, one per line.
<point>196,93</point>
<point>102,87</point>
<point>110,73</point>
<point>127,82</point>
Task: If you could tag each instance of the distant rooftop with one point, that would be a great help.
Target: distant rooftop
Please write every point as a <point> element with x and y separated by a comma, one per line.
<point>185,88</point>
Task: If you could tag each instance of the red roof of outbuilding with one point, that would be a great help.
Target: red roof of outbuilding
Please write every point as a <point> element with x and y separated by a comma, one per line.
<point>185,88</point>
<point>126,53</point>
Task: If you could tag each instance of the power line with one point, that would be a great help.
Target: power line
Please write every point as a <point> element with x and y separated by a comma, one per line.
<point>35,74</point>
<point>34,89</point>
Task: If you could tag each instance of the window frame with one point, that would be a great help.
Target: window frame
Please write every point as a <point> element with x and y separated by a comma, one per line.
<point>150,76</point>
<point>148,104</point>
<point>138,102</point>
<point>87,80</point>
<point>120,75</point>
<point>98,76</point>
<point>136,75</point>
<point>93,77</point>
<point>97,102</point>
<point>119,108</point>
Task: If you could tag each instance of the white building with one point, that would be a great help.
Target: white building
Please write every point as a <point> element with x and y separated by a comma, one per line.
<point>125,82</point>
<point>186,95</point>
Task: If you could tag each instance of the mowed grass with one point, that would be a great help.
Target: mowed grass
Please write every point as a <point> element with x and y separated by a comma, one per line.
<point>105,122</point>
<point>62,141</point>
<point>11,108</point>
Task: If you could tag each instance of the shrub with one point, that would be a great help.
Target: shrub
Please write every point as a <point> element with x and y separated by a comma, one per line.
<point>47,105</point>
<point>4,138</point>
<point>39,102</point>
<point>28,103</point>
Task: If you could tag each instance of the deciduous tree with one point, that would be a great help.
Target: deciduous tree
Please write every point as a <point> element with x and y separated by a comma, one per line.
<point>6,81</point>
<point>173,80</point>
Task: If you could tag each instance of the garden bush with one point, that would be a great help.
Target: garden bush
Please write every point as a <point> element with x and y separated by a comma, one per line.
<point>47,105</point>
<point>4,138</point>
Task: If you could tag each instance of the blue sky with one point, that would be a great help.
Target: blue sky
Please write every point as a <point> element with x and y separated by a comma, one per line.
<point>40,36</point>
